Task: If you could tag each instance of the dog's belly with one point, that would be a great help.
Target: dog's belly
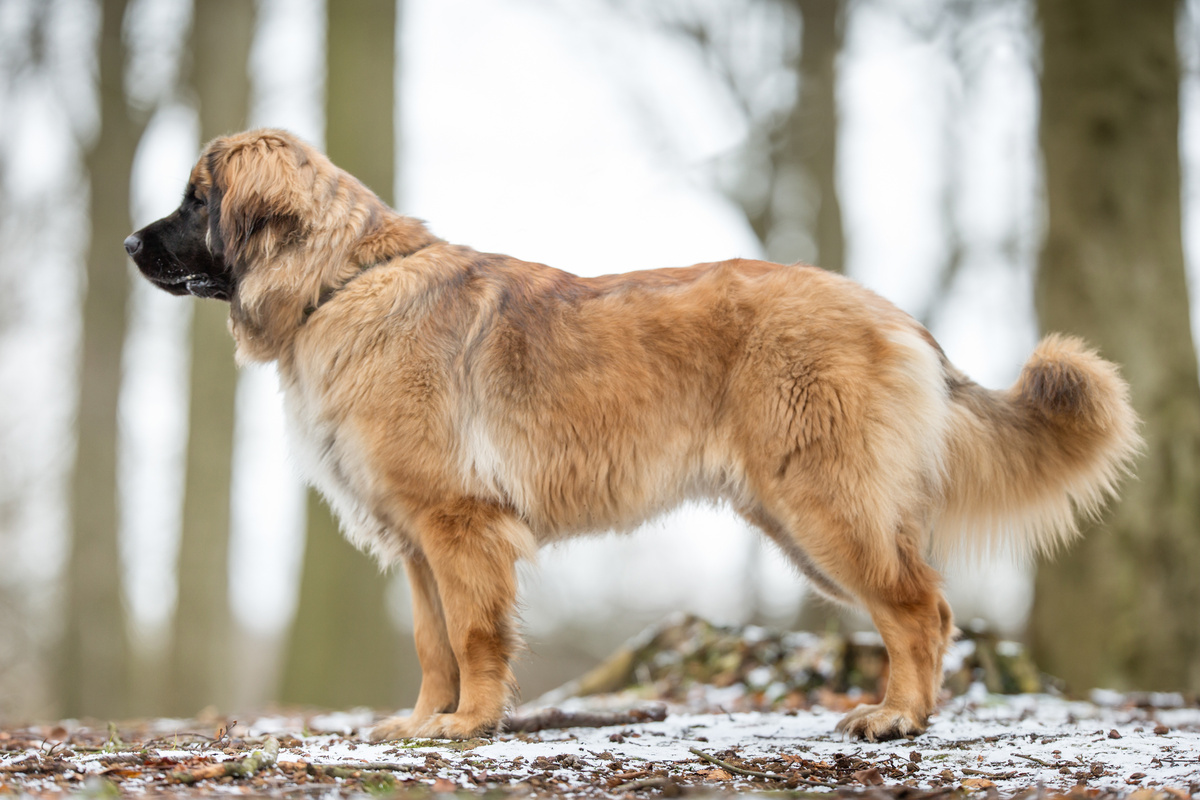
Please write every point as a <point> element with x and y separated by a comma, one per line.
<point>562,487</point>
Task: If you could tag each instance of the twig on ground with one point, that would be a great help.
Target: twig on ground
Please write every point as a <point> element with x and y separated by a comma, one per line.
<point>223,733</point>
<point>32,764</point>
<point>50,752</point>
<point>122,758</point>
<point>1037,761</point>
<point>655,782</point>
<point>632,776</point>
<point>244,768</point>
<point>173,740</point>
<point>775,776</point>
<point>370,766</point>
<point>557,718</point>
<point>992,775</point>
<point>342,771</point>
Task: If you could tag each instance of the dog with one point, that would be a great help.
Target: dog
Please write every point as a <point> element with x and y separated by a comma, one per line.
<point>459,410</point>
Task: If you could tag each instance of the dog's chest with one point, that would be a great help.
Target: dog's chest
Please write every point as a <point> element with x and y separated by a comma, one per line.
<point>330,459</point>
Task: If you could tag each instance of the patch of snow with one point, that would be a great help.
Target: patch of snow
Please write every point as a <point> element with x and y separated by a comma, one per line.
<point>1007,742</point>
<point>1018,741</point>
<point>957,655</point>
<point>344,722</point>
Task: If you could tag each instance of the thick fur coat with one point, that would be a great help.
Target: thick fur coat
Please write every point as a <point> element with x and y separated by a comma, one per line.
<point>460,409</point>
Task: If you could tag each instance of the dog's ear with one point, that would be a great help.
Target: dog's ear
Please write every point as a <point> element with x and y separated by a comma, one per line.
<point>260,190</point>
<point>262,187</point>
<point>211,162</point>
<point>216,240</point>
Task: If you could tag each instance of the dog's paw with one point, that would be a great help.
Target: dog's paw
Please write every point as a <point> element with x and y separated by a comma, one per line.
<point>876,723</point>
<point>395,728</point>
<point>457,726</point>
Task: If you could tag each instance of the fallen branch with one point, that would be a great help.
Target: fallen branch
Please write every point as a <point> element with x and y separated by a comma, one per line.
<point>631,776</point>
<point>245,768</point>
<point>1037,761</point>
<point>173,742</point>
<point>346,771</point>
<point>993,775</point>
<point>774,776</point>
<point>122,758</point>
<point>549,718</point>
<point>658,782</point>
<point>34,764</point>
<point>369,766</point>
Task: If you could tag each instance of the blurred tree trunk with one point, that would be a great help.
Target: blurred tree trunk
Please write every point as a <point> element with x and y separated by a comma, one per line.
<point>797,215</point>
<point>344,649</point>
<point>94,667</point>
<point>807,158</point>
<point>786,186</point>
<point>201,653</point>
<point>1122,608</point>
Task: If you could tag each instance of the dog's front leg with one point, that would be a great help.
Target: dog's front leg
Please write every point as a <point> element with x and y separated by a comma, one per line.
<point>439,668</point>
<point>471,549</point>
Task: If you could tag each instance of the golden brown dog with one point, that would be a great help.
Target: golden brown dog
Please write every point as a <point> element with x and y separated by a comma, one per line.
<point>460,409</point>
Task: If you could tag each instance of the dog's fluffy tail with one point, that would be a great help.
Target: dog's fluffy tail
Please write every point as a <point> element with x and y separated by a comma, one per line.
<point>1024,463</point>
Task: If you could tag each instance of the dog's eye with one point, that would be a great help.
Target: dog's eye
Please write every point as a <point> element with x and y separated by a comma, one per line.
<point>191,200</point>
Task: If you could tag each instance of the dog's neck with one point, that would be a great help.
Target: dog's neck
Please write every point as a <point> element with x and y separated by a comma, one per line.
<point>265,316</point>
<point>395,236</point>
<point>392,236</point>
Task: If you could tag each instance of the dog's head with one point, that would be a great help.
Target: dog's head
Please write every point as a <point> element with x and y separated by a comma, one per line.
<point>241,234</point>
<point>269,224</point>
<point>247,195</point>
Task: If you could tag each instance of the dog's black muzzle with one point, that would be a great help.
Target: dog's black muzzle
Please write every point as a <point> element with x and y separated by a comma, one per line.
<point>173,254</point>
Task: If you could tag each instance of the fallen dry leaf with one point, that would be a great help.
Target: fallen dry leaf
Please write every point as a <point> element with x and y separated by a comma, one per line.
<point>977,783</point>
<point>869,777</point>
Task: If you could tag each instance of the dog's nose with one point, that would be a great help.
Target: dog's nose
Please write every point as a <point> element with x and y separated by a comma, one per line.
<point>132,244</point>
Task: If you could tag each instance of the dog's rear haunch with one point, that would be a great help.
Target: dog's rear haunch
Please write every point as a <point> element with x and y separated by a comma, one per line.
<point>459,410</point>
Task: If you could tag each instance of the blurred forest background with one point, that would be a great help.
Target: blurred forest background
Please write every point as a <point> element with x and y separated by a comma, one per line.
<point>996,168</point>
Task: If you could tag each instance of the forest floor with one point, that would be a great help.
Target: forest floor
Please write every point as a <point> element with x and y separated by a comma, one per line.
<point>749,734</point>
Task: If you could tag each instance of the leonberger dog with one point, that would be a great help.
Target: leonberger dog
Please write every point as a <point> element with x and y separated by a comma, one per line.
<point>460,409</point>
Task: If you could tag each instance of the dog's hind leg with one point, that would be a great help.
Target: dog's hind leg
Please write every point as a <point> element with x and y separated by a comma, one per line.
<point>903,595</point>
<point>471,549</point>
<point>913,618</point>
<point>439,668</point>
<point>885,574</point>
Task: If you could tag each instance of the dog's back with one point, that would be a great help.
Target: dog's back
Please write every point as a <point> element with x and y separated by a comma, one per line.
<point>596,403</point>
